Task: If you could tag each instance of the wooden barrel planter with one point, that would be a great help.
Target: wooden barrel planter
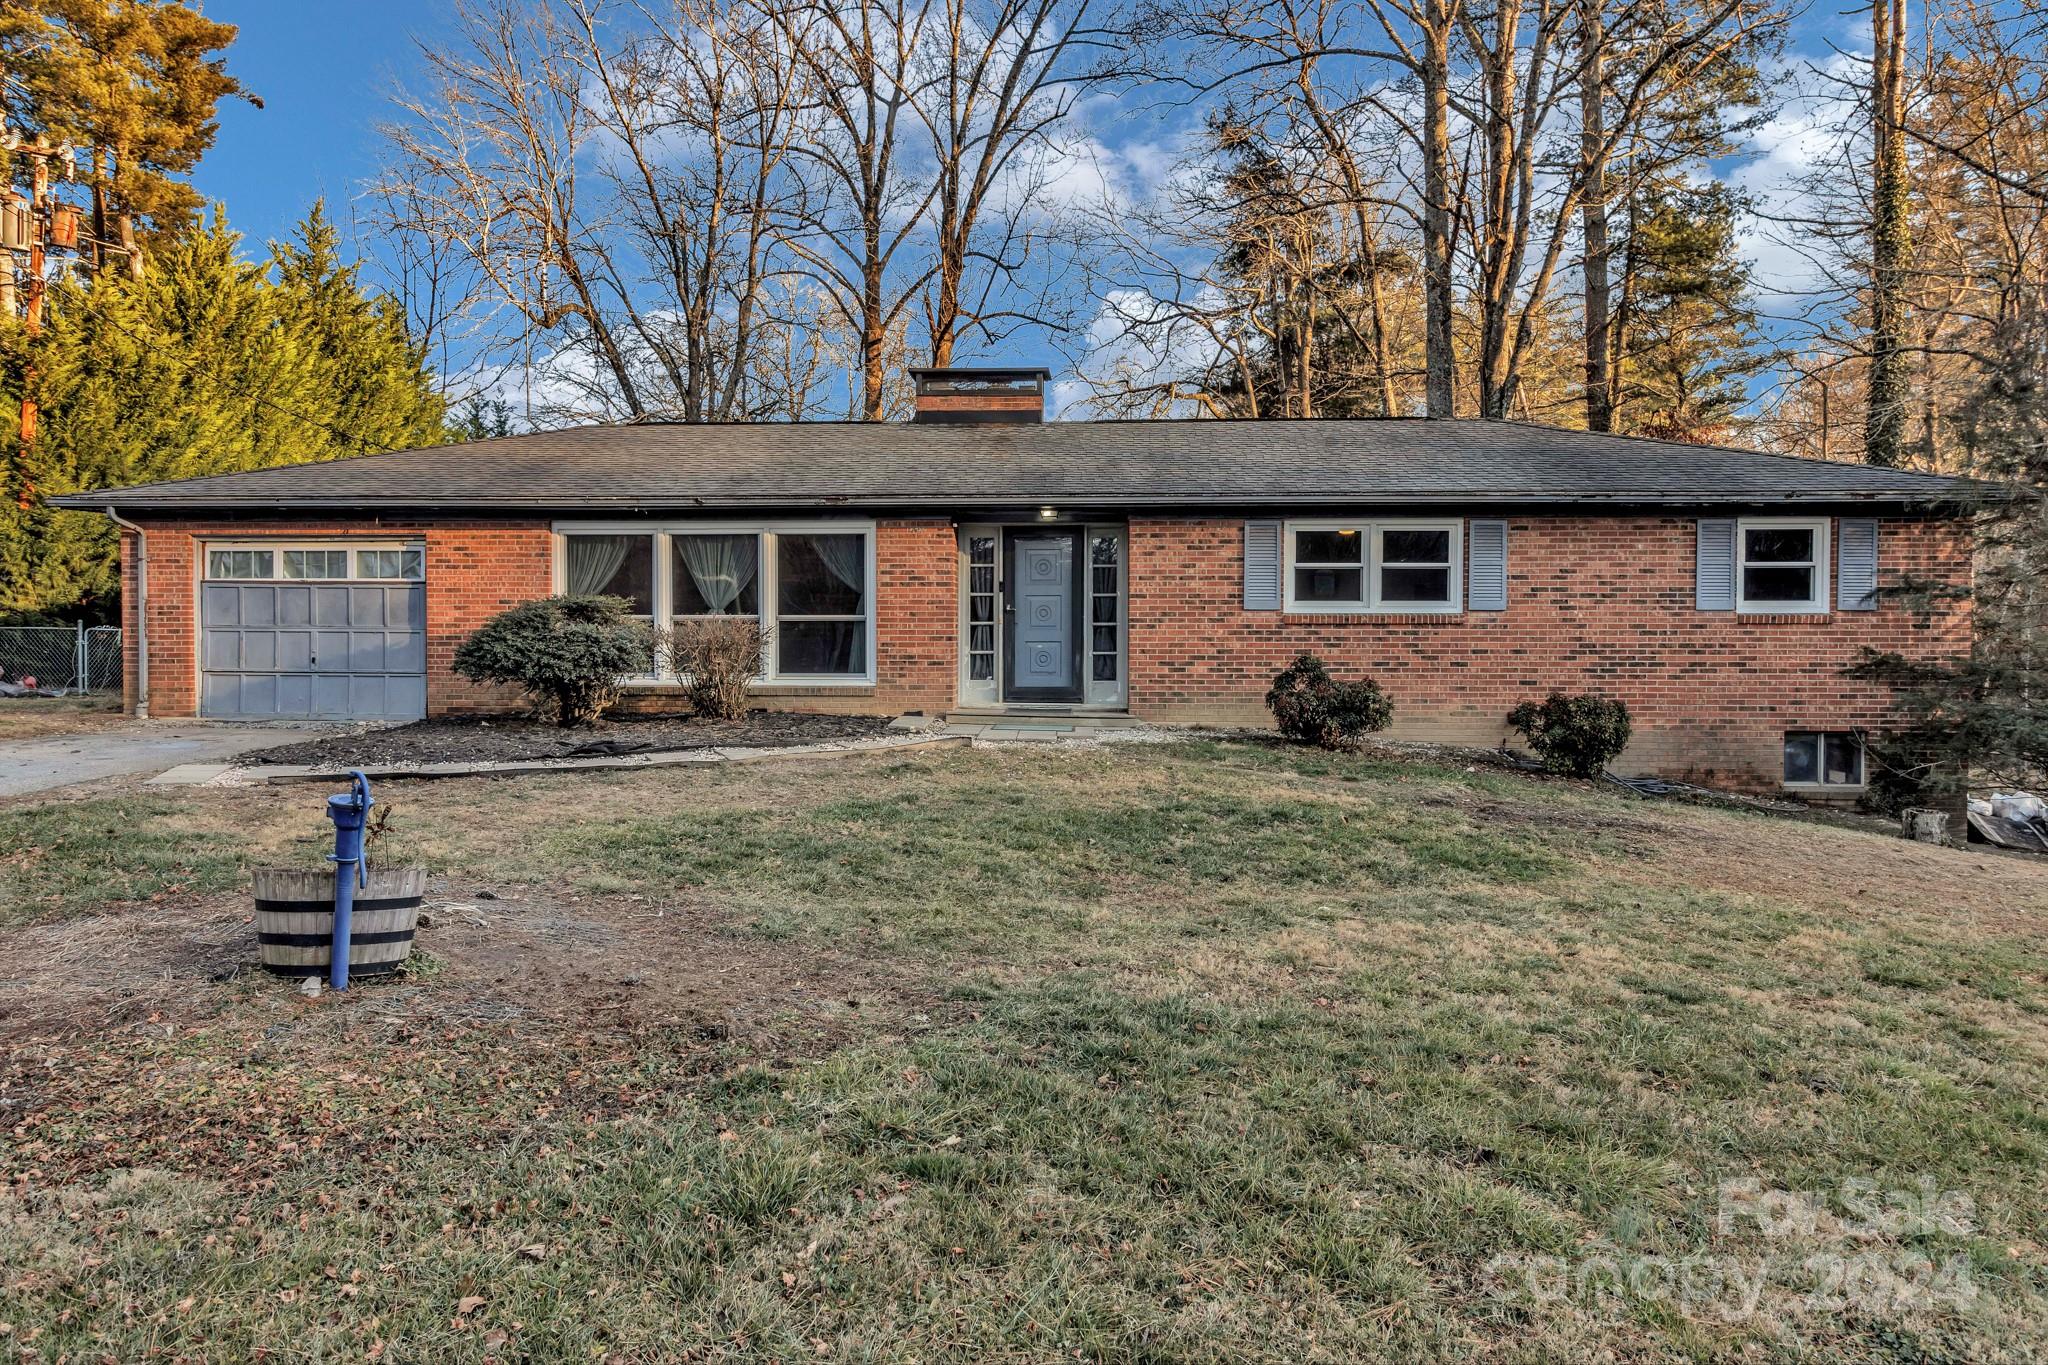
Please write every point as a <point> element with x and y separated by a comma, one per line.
<point>295,920</point>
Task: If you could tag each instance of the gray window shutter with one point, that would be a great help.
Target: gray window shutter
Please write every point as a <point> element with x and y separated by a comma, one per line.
<point>1714,588</point>
<point>1262,566</point>
<point>1856,574</point>
<point>1486,578</point>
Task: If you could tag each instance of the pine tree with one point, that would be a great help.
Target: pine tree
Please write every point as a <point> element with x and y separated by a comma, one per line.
<point>1684,330</point>
<point>132,86</point>
<point>208,365</point>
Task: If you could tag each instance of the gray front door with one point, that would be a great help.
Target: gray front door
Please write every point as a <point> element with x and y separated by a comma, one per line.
<point>1042,608</point>
<point>320,651</point>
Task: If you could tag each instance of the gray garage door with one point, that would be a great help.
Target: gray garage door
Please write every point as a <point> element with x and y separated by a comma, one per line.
<point>322,651</point>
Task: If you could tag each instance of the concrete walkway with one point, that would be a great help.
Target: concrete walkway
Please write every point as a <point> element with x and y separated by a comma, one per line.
<point>136,746</point>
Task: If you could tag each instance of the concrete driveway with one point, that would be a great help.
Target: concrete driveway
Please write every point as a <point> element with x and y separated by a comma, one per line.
<point>135,747</point>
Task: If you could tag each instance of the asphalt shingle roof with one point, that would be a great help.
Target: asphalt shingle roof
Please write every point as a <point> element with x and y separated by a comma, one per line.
<point>670,467</point>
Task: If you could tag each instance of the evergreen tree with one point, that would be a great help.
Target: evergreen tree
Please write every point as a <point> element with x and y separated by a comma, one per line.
<point>132,86</point>
<point>1983,715</point>
<point>207,365</point>
<point>1685,328</point>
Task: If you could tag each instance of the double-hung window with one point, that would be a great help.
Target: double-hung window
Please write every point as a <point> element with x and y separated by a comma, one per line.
<point>821,596</point>
<point>808,584</point>
<point>1781,564</point>
<point>1393,566</point>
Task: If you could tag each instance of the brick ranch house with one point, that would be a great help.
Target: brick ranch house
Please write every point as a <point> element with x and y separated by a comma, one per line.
<point>978,558</point>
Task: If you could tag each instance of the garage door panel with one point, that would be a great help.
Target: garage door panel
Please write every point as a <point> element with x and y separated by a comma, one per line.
<point>366,653</point>
<point>330,606</point>
<point>318,651</point>
<point>404,609</point>
<point>259,650</point>
<point>221,649</point>
<point>295,651</point>
<point>259,606</point>
<point>294,606</point>
<point>221,606</point>
<point>294,694</point>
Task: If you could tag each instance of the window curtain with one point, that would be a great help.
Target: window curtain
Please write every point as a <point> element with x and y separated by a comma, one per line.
<point>720,566</point>
<point>594,561</point>
<point>845,558</point>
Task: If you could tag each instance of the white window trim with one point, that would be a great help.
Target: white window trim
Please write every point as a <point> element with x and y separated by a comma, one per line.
<point>1371,533</point>
<point>1821,761</point>
<point>278,548</point>
<point>664,590</point>
<point>1823,549</point>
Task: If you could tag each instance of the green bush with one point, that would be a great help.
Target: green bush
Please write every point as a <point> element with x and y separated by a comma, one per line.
<point>1311,707</point>
<point>570,654</point>
<point>1575,736</point>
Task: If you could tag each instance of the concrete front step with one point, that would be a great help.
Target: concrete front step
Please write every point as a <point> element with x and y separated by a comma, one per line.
<point>1050,721</point>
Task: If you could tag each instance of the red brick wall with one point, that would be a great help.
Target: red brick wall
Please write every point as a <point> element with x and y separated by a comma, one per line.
<point>476,569</point>
<point>1600,604</point>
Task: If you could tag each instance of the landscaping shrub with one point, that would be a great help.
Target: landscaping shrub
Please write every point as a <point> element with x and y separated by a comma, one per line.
<point>1575,736</point>
<point>570,654</point>
<point>1311,707</point>
<point>718,656</point>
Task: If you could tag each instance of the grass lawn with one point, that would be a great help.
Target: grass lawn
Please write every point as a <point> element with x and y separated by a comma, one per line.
<point>1203,1052</point>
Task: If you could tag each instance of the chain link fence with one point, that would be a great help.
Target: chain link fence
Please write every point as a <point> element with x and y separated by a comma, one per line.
<point>62,658</point>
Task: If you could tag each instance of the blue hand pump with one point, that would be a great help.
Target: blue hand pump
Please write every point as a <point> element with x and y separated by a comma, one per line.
<point>348,810</point>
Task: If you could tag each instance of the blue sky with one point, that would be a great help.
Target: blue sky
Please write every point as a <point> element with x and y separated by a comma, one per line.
<point>324,70</point>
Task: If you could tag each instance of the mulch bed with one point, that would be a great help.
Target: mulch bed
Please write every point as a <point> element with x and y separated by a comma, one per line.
<point>511,739</point>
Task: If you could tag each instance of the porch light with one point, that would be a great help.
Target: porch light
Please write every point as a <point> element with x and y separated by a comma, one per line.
<point>1048,514</point>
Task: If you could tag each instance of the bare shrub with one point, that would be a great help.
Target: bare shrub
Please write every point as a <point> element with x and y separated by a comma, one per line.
<point>718,658</point>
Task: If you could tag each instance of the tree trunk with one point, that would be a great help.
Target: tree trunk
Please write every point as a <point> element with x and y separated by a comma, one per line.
<point>1884,423</point>
<point>1439,397</point>
<point>1593,216</point>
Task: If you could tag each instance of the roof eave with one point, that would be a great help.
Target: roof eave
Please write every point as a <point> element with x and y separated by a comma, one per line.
<point>873,502</point>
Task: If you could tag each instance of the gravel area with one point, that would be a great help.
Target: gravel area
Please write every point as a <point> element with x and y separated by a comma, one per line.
<point>509,739</point>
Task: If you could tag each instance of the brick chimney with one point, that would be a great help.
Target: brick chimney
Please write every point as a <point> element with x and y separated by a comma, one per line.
<point>966,394</point>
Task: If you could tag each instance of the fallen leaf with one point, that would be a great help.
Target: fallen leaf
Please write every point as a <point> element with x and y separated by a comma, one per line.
<point>470,1305</point>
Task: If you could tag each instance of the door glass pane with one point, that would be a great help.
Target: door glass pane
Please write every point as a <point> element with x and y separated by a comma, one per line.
<point>1328,585</point>
<point>1802,758</point>
<point>1328,547</point>
<point>1844,766</point>
<point>717,575</point>
<point>822,647</point>
<point>1416,547</point>
<point>821,575</point>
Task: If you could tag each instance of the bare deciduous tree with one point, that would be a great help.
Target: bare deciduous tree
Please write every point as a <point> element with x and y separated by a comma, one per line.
<point>610,193</point>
